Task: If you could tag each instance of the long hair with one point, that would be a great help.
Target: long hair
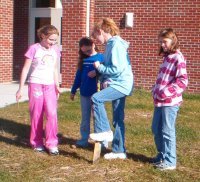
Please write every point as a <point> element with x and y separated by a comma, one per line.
<point>47,30</point>
<point>107,25</point>
<point>84,41</point>
<point>168,33</point>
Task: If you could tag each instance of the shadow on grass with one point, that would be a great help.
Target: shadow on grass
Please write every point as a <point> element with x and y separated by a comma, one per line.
<point>74,155</point>
<point>19,132</point>
<point>70,142</point>
<point>63,140</point>
<point>139,158</point>
<point>20,137</point>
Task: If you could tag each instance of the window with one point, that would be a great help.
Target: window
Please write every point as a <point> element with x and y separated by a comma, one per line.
<point>39,22</point>
<point>44,3</point>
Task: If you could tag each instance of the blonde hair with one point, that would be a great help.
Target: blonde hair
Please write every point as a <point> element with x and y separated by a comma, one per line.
<point>47,30</point>
<point>107,25</point>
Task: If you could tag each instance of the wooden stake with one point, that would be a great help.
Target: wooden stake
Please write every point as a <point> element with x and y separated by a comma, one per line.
<point>97,151</point>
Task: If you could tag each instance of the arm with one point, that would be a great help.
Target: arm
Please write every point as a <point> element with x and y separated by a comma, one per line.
<point>76,84</point>
<point>56,72</point>
<point>179,84</point>
<point>118,58</point>
<point>24,74</point>
<point>96,64</point>
<point>56,79</point>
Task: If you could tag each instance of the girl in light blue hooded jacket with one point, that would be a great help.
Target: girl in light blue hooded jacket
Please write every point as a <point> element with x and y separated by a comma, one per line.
<point>117,81</point>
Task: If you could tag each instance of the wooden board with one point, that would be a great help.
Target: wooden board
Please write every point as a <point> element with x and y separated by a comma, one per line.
<point>97,151</point>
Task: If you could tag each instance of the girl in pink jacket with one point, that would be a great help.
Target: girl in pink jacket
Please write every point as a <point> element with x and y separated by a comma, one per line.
<point>167,92</point>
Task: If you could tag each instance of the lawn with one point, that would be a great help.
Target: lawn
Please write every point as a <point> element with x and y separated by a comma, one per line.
<point>18,162</point>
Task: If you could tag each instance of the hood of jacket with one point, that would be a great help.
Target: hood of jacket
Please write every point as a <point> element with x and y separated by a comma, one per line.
<point>118,39</point>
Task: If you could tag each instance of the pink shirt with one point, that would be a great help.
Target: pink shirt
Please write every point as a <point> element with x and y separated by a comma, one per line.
<point>171,81</point>
<point>43,63</point>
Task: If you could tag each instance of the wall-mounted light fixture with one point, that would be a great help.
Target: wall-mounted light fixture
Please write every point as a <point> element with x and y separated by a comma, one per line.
<point>129,20</point>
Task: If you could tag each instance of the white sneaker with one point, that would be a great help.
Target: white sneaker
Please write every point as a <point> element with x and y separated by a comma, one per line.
<point>39,149</point>
<point>163,166</point>
<point>113,155</point>
<point>107,136</point>
<point>53,151</point>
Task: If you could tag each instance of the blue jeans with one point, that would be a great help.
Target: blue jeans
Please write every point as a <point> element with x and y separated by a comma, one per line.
<point>101,122</point>
<point>164,130</point>
<point>86,105</point>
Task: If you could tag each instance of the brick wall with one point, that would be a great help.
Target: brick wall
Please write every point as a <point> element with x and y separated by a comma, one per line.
<point>20,34</point>
<point>149,18</point>
<point>6,37</point>
<point>73,28</point>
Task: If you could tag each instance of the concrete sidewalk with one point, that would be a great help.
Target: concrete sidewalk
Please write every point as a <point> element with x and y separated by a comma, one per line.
<point>8,91</point>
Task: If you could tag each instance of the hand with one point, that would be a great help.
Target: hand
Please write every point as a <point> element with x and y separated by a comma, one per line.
<point>92,74</point>
<point>96,64</point>
<point>18,95</point>
<point>58,91</point>
<point>105,84</point>
<point>72,96</point>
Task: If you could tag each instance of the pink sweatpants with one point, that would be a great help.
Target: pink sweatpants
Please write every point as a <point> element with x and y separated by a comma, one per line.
<point>43,100</point>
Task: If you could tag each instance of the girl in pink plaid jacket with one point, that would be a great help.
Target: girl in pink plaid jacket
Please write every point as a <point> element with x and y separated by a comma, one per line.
<point>167,92</point>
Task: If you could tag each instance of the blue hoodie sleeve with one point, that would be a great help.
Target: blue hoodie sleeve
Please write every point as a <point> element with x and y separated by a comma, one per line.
<point>77,82</point>
<point>118,60</point>
<point>100,59</point>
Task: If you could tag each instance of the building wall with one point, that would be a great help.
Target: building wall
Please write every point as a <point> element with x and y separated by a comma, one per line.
<point>73,28</point>
<point>149,18</point>
<point>6,37</point>
<point>20,35</point>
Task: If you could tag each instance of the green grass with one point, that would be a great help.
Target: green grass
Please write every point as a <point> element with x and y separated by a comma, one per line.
<point>18,162</point>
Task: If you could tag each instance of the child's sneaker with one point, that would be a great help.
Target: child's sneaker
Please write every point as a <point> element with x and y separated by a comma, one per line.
<point>53,151</point>
<point>107,136</point>
<point>113,155</point>
<point>80,144</point>
<point>104,146</point>
<point>156,160</point>
<point>163,166</point>
<point>39,149</point>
